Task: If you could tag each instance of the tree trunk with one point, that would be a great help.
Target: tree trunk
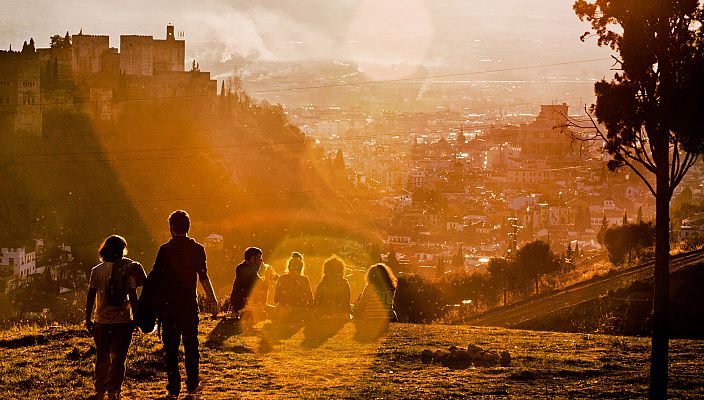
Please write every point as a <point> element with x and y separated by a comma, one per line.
<point>661,290</point>
<point>536,286</point>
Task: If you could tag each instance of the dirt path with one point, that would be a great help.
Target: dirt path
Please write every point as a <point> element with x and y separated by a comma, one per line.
<point>516,313</point>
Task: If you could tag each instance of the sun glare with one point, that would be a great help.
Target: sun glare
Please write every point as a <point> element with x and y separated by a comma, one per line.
<point>390,39</point>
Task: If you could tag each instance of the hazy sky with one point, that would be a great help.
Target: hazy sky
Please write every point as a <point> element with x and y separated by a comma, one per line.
<point>449,34</point>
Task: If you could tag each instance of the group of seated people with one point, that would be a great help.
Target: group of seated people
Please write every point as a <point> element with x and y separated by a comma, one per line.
<point>294,301</point>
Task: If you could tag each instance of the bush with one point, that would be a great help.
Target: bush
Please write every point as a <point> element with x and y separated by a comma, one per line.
<point>418,300</point>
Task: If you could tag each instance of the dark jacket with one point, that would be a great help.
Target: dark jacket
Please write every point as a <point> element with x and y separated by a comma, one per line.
<point>246,279</point>
<point>181,262</point>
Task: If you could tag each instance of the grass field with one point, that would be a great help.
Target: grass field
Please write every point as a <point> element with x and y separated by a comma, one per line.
<point>253,361</point>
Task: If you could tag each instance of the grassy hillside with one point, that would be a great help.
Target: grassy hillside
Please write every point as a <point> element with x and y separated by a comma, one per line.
<point>251,361</point>
<point>628,309</point>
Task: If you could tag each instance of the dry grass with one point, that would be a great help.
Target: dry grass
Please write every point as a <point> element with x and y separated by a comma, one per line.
<point>586,269</point>
<point>252,362</point>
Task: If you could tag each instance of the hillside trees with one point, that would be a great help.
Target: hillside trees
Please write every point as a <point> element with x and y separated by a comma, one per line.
<point>429,200</point>
<point>424,299</point>
<point>582,220</point>
<point>627,242</point>
<point>418,300</point>
<point>339,161</point>
<point>650,113</point>
<point>602,230</point>
<point>535,260</point>
<point>502,275</point>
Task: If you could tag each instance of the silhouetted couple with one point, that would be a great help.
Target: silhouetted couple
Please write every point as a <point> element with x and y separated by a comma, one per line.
<point>179,264</point>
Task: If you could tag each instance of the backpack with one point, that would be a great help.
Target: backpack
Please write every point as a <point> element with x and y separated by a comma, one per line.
<point>151,302</point>
<point>116,293</point>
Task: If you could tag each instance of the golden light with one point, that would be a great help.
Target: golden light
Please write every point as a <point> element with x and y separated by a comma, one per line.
<point>390,39</point>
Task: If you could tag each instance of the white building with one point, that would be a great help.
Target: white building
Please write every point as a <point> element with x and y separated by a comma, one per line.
<point>23,263</point>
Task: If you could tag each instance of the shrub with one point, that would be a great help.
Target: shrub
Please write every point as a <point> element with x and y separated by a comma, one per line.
<point>418,300</point>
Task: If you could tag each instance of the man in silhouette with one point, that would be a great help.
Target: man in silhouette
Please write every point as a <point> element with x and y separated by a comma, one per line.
<point>181,262</point>
<point>247,279</point>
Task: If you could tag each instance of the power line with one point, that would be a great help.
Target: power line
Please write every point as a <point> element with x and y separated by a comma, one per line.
<point>263,144</point>
<point>339,85</point>
<point>426,77</point>
<point>264,126</point>
<point>161,200</point>
<point>229,197</point>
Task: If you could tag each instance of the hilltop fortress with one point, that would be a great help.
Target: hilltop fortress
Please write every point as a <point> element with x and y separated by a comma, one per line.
<point>82,73</point>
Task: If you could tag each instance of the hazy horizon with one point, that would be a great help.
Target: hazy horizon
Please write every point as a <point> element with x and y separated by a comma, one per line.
<point>389,40</point>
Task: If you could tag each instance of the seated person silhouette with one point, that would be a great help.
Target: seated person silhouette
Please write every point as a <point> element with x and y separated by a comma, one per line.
<point>375,307</point>
<point>332,296</point>
<point>293,297</point>
<point>247,287</point>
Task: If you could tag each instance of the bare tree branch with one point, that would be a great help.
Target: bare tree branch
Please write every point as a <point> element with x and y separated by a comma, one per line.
<point>675,163</point>
<point>689,160</point>
<point>643,141</point>
<point>643,178</point>
<point>626,157</point>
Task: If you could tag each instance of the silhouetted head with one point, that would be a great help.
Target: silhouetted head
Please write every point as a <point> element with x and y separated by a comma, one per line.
<point>113,248</point>
<point>179,222</point>
<point>334,267</point>
<point>381,278</point>
<point>295,263</point>
<point>253,255</point>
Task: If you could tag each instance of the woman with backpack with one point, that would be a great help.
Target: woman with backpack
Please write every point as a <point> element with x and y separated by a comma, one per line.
<point>112,291</point>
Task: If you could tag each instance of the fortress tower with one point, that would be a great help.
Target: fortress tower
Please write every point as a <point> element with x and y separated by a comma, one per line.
<point>87,53</point>
<point>20,100</point>
<point>83,73</point>
<point>146,56</point>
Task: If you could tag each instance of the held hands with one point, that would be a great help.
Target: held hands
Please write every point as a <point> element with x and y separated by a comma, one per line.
<point>89,326</point>
<point>213,306</point>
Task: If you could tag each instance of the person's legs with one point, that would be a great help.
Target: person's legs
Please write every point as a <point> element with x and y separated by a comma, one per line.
<point>190,347</point>
<point>171,335</point>
<point>120,338</point>
<point>101,336</point>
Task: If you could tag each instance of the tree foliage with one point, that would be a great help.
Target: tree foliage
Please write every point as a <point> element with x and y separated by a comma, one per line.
<point>503,276</point>
<point>418,300</point>
<point>536,260</point>
<point>582,219</point>
<point>627,242</point>
<point>339,161</point>
<point>461,286</point>
<point>602,230</point>
<point>58,42</point>
<point>429,200</point>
